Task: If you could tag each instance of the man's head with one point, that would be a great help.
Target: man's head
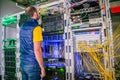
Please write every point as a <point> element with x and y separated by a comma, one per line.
<point>32,12</point>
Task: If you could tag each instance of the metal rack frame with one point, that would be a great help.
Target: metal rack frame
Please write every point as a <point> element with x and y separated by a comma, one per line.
<point>105,14</point>
<point>17,54</point>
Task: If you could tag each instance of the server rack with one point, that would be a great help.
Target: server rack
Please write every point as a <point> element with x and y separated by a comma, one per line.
<point>106,34</point>
<point>10,49</point>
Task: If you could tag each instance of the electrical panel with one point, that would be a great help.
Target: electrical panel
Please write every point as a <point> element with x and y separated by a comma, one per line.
<point>53,23</point>
<point>82,12</point>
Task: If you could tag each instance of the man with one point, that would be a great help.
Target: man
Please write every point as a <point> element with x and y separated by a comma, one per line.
<point>31,60</point>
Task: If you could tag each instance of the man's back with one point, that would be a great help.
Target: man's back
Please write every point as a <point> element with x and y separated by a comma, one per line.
<point>26,42</point>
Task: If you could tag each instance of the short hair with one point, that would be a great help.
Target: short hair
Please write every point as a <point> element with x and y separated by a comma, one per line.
<point>30,11</point>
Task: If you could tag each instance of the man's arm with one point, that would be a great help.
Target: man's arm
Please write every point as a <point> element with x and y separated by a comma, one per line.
<point>39,58</point>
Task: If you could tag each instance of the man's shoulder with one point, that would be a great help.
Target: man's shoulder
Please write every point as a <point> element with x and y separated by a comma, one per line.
<point>38,27</point>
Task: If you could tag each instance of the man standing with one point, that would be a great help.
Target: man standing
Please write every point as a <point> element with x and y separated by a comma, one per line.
<point>31,60</point>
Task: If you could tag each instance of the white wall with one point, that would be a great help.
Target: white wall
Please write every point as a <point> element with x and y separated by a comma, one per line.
<point>7,7</point>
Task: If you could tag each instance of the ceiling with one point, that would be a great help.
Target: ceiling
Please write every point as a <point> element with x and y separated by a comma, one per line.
<point>26,3</point>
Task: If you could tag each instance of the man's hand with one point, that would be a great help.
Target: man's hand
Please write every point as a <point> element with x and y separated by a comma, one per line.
<point>42,73</point>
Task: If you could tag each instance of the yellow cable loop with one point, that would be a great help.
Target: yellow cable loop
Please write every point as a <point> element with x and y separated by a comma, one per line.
<point>94,56</point>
